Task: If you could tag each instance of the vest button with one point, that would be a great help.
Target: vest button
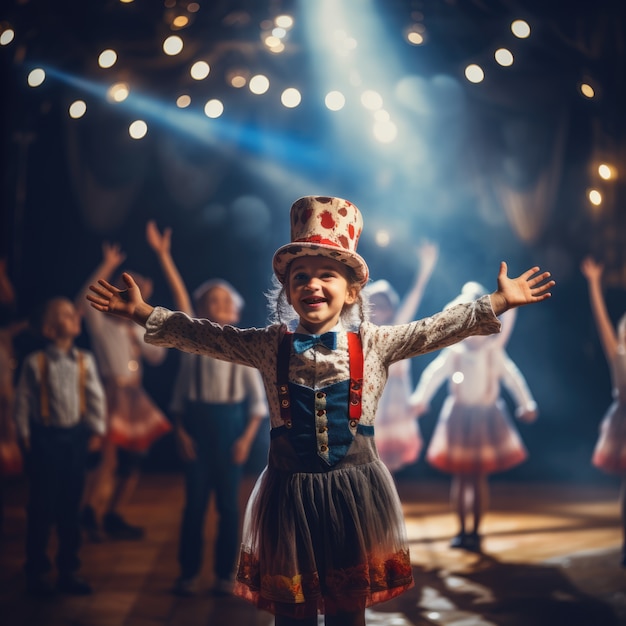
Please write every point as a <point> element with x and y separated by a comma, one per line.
<point>320,395</point>
<point>353,423</point>
<point>323,448</point>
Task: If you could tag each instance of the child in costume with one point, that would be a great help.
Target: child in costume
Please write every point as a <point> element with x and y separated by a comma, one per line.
<point>474,435</point>
<point>134,420</point>
<point>59,402</point>
<point>324,530</point>
<point>217,408</point>
<point>610,451</point>
<point>398,438</point>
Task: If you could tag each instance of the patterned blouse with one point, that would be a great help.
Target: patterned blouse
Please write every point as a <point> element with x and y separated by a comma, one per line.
<point>319,367</point>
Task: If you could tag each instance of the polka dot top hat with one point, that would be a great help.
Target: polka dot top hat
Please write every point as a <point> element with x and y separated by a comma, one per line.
<point>323,226</point>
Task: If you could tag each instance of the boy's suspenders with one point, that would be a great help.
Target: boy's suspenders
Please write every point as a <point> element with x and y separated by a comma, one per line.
<point>44,387</point>
<point>355,355</point>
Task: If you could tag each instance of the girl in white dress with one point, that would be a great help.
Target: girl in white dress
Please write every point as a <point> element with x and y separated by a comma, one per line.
<point>398,436</point>
<point>474,435</point>
<point>610,452</point>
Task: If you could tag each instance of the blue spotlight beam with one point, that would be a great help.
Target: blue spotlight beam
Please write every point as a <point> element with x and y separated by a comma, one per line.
<point>215,133</point>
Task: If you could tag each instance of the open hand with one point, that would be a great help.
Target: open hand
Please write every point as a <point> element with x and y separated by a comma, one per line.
<point>127,303</point>
<point>591,269</point>
<point>159,242</point>
<point>530,287</point>
<point>112,255</point>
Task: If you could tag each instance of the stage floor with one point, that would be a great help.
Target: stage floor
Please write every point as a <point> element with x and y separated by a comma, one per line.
<point>551,556</point>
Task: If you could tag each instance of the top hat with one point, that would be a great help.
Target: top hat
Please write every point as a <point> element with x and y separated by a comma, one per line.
<point>323,226</point>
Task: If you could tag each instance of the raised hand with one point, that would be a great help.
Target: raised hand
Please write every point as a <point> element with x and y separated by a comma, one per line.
<point>530,287</point>
<point>591,269</point>
<point>427,254</point>
<point>127,303</point>
<point>112,255</point>
<point>159,242</point>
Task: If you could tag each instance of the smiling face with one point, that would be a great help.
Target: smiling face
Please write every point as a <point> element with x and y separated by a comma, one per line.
<point>318,288</point>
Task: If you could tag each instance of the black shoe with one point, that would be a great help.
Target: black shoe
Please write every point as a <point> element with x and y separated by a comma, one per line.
<point>39,586</point>
<point>90,525</point>
<point>185,587</point>
<point>458,541</point>
<point>472,542</point>
<point>74,585</point>
<point>88,518</point>
<point>117,528</point>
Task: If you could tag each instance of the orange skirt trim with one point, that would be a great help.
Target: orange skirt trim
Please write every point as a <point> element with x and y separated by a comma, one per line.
<point>344,590</point>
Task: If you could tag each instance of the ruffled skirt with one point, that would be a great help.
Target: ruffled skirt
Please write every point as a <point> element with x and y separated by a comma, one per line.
<point>610,451</point>
<point>327,542</point>
<point>398,438</point>
<point>135,422</point>
<point>475,439</point>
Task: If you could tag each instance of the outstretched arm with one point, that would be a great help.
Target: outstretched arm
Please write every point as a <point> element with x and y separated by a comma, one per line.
<point>161,244</point>
<point>127,303</point>
<point>528,288</point>
<point>592,271</point>
<point>428,253</point>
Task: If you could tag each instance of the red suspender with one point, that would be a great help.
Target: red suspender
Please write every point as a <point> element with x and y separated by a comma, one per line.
<point>355,355</point>
<point>282,366</point>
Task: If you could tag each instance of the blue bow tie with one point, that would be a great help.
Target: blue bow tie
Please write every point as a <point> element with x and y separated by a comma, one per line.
<point>302,342</point>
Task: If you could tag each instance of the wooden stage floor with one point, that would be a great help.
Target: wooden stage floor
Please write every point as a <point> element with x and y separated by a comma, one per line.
<point>551,557</point>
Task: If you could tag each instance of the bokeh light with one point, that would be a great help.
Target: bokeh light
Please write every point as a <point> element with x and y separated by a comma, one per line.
<point>173,45</point>
<point>107,58</point>
<point>77,109</point>
<point>474,73</point>
<point>521,29</point>
<point>36,77</point>
<point>213,108</point>
<point>291,98</point>
<point>138,129</point>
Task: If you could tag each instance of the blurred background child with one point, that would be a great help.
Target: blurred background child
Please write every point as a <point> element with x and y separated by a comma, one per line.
<point>398,437</point>
<point>610,451</point>
<point>134,420</point>
<point>474,435</point>
<point>59,403</point>
<point>217,408</point>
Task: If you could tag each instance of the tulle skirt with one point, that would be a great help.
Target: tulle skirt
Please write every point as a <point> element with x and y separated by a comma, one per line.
<point>610,451</point>
<point>327,542</point>
<point>399,443</point>
<point>475,439</point>
<point>135,422</point>
<point>398,438</point>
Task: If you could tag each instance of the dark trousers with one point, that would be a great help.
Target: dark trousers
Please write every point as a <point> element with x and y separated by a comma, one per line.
<point>214,429</point>
<point>55,467</point>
